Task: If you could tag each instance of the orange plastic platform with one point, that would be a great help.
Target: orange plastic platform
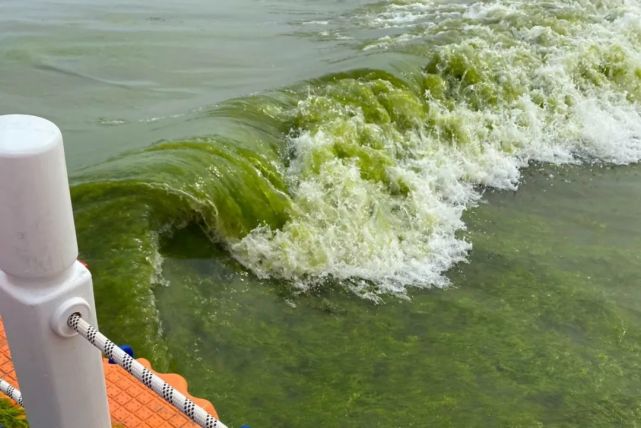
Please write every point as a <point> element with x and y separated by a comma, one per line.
<point>131,404</point>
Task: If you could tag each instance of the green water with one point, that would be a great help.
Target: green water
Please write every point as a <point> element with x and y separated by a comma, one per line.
<point>119,75</point>
<point>433,222</point>
<point>540,328</point>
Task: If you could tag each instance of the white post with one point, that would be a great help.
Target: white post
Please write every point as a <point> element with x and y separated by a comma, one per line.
<point>41,283</point>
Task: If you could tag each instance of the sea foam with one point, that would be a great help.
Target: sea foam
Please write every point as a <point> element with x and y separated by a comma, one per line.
<point>382,168</point>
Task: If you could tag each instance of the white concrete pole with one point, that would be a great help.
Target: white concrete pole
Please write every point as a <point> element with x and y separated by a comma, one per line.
<point>41,283</point>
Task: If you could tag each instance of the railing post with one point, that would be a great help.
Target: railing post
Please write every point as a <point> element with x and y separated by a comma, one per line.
<point>41,283</point>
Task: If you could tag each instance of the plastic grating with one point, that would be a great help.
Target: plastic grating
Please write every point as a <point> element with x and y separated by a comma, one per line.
<point>131,404</point>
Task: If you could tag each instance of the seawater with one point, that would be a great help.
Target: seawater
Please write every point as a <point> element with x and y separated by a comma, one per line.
<point>539,328</point>
<point>274,246</point>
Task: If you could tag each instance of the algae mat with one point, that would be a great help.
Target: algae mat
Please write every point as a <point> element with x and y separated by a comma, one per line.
<point>540,328</point>
<point>317,253</point>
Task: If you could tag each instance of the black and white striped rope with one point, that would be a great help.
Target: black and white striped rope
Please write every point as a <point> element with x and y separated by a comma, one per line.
<point>11,391</point>
<point>144,375</point>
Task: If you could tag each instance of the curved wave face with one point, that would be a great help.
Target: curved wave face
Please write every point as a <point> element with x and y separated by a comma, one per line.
<point>362,177</point>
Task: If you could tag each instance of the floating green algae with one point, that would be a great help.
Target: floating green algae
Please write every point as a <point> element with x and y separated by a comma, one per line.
<point>358,181</point>
<point>124,205</point>
<point>11,416</point>
<point>540,328</point>
<point>362,177</point>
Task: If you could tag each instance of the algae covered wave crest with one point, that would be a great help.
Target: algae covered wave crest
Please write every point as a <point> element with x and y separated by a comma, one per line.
<point>362,177</point>
<point>381,167</point>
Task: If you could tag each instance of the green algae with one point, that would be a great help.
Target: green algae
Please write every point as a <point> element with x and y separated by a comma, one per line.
<point>11,416</point>
<point>524,338</point>
<point>473,74</point>
<point>604,65</point>
<point>123,206</point>
<point>540,328</point>
<point>353,176</point>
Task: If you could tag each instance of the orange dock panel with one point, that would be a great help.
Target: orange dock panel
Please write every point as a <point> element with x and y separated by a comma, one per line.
<point>131,404</point>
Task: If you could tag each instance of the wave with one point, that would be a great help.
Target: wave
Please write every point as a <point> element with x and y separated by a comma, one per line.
<point>362,177</point>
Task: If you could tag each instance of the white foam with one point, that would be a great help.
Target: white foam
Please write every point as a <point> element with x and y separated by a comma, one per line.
<point>353,229</point>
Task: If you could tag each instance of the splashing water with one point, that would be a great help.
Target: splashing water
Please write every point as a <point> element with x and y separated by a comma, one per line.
<point>382,168</point>
<point>362,177</point>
